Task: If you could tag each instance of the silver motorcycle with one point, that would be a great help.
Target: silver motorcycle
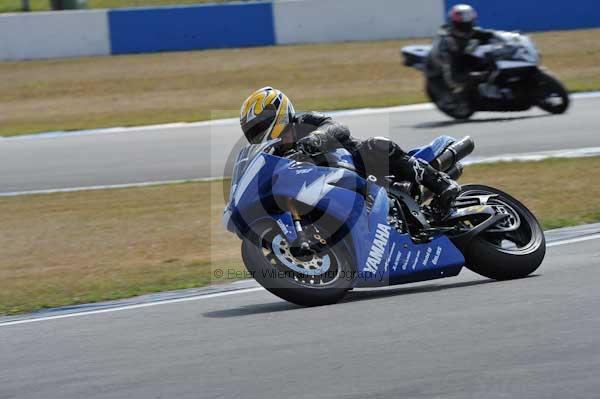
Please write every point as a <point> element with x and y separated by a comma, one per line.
<point>514,79</point>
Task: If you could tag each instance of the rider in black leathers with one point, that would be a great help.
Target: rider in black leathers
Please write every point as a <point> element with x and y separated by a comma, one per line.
<point>378,156</point>
<point>449,70</point>
<point>268,114</point>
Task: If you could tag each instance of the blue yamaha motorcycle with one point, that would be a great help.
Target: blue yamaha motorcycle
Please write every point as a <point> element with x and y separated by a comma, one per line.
<point>313,228</point>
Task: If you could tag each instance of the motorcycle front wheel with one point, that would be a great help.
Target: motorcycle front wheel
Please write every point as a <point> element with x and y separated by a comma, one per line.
<point>322,279</point>
<point>551,95</point>
<point>458,112</point>
<point>513,248</point>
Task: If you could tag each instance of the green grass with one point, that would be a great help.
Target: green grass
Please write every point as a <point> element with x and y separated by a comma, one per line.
<point>93,92</point>
<point>44,5</point>
<point>72,248</point>
<point>561,192</point>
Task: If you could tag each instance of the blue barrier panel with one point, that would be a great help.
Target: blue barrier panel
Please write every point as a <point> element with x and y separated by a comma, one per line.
<point>149,30</point>
<point>535,15</point>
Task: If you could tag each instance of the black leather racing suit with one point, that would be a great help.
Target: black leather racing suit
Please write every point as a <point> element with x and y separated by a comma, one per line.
<point>376,156</point>
<point>448,65</point>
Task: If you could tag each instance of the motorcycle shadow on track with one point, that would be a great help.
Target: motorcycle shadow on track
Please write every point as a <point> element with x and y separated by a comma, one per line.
<point>255,309</point>
<point>353,296</point>
<point>453,122</point>
<point>384,293</point>
<point>422,289</point>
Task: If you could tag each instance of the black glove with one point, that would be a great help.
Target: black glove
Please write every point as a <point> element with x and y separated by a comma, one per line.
<point>311,144</point>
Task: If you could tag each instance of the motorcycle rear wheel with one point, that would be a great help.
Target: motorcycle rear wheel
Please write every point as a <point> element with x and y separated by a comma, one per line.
<point>266,255</point>
<point>510,255</point>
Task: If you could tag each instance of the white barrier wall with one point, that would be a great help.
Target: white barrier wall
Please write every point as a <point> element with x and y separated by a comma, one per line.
<point>54,34</point>
<point>316,21</point>
<point>263,23</point>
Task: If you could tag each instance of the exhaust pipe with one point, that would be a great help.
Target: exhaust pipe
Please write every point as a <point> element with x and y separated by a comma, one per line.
<point>456,171</point>
<point>454,153</point>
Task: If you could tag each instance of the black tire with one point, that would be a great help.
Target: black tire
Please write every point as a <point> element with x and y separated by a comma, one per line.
<point>548,88</point>
<point>485,256</point>
<point>287,284</point>
<point>459,114</point>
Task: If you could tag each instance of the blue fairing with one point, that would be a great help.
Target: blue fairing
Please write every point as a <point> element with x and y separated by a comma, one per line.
<point>382,255</point>
<point>280,178</point>
<point>342,157</point>
<point>433,150</point>
<point>402,261</point>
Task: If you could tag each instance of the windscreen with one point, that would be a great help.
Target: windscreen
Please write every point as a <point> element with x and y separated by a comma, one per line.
<point>244,160</point>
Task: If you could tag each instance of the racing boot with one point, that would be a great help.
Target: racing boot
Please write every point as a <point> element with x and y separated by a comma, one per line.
<point>447,196</point>
<point>445,189</point>
<point>390,157</point>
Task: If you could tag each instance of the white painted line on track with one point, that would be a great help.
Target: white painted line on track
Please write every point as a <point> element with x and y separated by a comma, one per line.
<point>128,307</point>
<point>584,95</point>
<point>387,110</point>
<point>537,156</point>
<point>208,296</point>
<point>532,156</point>
<point>233,121</point>
<point>109,187</point>
<point>574,240</point>
<point>120,130</point>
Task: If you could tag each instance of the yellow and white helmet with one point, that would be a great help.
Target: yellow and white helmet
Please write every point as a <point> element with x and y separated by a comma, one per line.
<point>265,115</point>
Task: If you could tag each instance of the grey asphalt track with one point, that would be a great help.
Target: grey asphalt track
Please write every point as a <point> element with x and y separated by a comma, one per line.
<point>188,152</point>
<point>463,337</point>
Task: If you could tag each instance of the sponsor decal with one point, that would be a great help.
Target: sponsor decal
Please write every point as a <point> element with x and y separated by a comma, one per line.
<point>397,260</point>
<point>414,265</point>
<point>382,235</point>
<point>427,256</point>
<point>302,171</point>
<point>284,228</point>
<point>419,171</point>
<point>436,258</point>
<point>387,262</point>
<point>405,265</point>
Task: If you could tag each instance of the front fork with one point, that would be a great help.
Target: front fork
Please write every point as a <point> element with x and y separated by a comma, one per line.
<point>300,247</point>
